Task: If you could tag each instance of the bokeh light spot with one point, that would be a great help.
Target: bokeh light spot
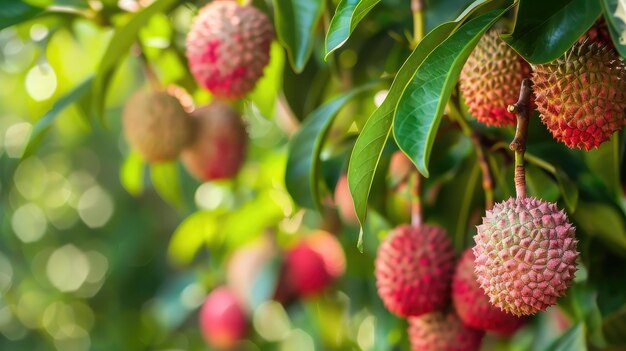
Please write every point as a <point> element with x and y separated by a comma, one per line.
<point>15,139</point>
<point>29,223</point>
<point>41,82</point>
<point>95,207</point>
<point>30,178</point>
<point>271,321</point>
<point>67,268</point>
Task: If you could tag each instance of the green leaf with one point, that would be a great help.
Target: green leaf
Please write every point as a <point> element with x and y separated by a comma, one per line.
<point>604,221</point>
<point>131,173</point>
<point>616,21</point>
<point>567,187</point>
<point>45,123</point>
<point>120,44</point>
<point>267,88</point>
<point>423,101</point>
<point>348,14</point>
<point>605,163</point>
<point>167,183</point>
<point>15,12</point>
<point>196,230</point>
<point>295,22</point>
<point>614,327</point>
<point>546,29</point>
<point>301,177</point>
<point>371,142</point>
<point>573,339</point>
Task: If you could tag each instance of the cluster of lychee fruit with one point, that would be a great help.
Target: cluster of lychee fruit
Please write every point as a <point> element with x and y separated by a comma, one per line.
<point>309,267</point>
<point>581,96</point>
<point>227,50</point>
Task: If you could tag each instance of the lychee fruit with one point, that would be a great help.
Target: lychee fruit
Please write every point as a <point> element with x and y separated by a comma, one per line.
<point>228,48</point>
<point>599,33</point>
<point>344,203</point>
<point>219,148</point>
<point>413,269</point>
<point>399,168</point>
<point>582,95</point>
<point>473,306</point>
<point>156,125</point>
<point>304,273</point>
<point>223,321</point>
<point>525,255</point>
<point>442,332</point>
<point>329,248</point>
<point>491,78</point>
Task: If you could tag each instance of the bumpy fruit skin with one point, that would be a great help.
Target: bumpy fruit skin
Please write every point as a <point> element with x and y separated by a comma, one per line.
<point>599,33</point>
<point>525,255</point>
<point>442,332</point>
<point>491,79</point>
<point>582,95</point>
<point>156,124</point>
<point>228,48</point>
<point>414,267</point>
<point>219,149</point>
<point>473,306</point>
<point>304,272</point>
<point>343,201</point>
<point>222,319</point>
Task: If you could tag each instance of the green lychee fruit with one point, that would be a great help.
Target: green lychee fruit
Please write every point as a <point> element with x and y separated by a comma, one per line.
<point>414,267</point>
<point>582,95</point>
<point>156,124</point>
<point>491,79</point>
<point>525,255</point>
<point>442,332</point>
<point>228,48</point>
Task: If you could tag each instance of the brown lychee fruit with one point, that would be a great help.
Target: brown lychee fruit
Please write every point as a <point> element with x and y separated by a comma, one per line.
<point>156,125</point>
<point>414,267</point>
<point>219,149</point>
<point>491,79</point>
<point>223,321</point>
<point>582,95</point>
<point>473,306</point>
<point>442,332</point>
<point>228,48</point>
<point>525,255</point>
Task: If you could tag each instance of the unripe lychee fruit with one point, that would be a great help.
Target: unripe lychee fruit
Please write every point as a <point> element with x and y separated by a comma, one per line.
<point>582,95</point>
<point>156,124</point>
<point>473,306</point>
<point>304,272</point>
<point>219,148</point>
<point>222,319</point>
<point>413,269</point>
<point>491,79</point>
<point>228,48</point>
<point>525,255</point>
<point>344,203</point>
<point>442,332</point>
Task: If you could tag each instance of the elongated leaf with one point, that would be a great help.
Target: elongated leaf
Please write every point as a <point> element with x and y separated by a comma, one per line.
<point>305,147</point>
<point>44,123</point>
<point>546,29</point>
<point>573,339</point>
<point>370,143</point>
<point>122,40</point>
<point>295,22</point>
<point>131,173</point>
<point>348,14</point>
<point>422,103</point>
<point>604,221</point>
<point>605,163</point>
<point>166,182</point>
<point>15,12</point>
<point>615,15</point>
<point>196,230</point>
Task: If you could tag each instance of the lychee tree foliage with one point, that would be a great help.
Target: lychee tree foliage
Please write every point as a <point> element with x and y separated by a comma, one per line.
<point>468,156</point>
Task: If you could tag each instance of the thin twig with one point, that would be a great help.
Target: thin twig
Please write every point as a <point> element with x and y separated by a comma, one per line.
<point>417,8</point>
<point>522,110</point>
<point>485,170</point>
<point>147,69</point>
<point>417,217</point>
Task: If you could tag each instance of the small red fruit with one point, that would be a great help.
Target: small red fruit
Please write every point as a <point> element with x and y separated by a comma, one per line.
<point>222,319</point>
<point>344,203</point>
<point>304,271</point>
<point>442,332</point>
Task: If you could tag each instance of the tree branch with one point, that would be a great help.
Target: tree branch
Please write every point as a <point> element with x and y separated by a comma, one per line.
<point>522,110</point>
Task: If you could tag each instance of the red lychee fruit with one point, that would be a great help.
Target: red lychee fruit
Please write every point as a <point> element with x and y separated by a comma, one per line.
<point>598,33</point>
<point>473,306</point>
<point>414,268</point>
<point>344,203</point>
<point>525,255</point>
<point>442,332</point>
<point>582,95</point>
<point>156,125</point>
<point>228,48</point>
<point>491,79</point>
<point>304,272</point>
<point>329,248</point>
<point>222,319</point>
<point>220,145</point>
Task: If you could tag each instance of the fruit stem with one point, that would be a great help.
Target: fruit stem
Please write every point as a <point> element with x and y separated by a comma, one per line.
<point>148,71</point>
<point>417,7</point>
<point>417,217</point>
<point>522,110</point>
